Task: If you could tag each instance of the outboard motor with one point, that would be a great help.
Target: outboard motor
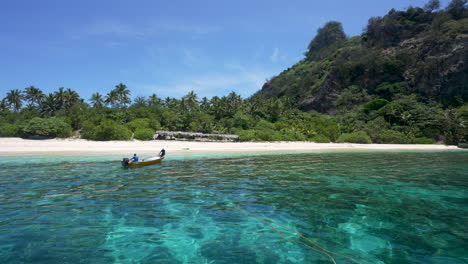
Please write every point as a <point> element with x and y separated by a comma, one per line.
<point>125,162</point>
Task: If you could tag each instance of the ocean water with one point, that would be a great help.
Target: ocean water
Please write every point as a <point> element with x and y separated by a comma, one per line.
<point>328,207</point>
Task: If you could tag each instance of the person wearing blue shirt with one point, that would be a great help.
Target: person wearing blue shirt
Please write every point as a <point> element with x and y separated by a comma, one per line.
<point>135,158</point>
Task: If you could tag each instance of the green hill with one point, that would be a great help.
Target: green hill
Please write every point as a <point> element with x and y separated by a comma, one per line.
<point>418,53</point>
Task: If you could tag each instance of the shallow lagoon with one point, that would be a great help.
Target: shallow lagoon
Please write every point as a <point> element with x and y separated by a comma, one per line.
<point>350,207</point>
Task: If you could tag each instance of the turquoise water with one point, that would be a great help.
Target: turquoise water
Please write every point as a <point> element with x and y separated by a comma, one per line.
<point>359,207</point>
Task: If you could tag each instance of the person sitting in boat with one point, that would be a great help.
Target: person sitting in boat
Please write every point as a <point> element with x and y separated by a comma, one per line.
<point>134,159</point>
<point>162,153</point>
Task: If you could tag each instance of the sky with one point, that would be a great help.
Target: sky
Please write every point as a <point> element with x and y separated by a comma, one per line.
<point>169,48</point>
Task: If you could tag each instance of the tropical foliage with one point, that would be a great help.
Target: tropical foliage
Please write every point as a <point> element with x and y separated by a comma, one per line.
<point>356,137</point>
<point>404,80</point>
<point>46,127</point>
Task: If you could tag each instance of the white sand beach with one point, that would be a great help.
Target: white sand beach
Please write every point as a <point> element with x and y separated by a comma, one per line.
<point>14,146</point>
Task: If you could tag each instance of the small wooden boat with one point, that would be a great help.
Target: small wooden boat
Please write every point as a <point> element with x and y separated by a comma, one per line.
<point>143,162</point>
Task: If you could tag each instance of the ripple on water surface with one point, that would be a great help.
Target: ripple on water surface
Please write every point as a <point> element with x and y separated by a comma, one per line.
<point>398,207</point>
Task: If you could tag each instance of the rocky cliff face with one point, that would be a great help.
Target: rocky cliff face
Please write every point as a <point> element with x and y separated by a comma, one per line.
<point>428,61</point>
<point>439,69</point>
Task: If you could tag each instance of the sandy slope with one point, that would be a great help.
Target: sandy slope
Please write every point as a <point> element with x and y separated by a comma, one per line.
<point>80,146</point>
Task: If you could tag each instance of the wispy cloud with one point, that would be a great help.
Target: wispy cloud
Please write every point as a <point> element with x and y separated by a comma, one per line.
<point>115,28</point>
<point>171,25</point>
<point>188,57</point>
<point>154,51</point>
<point>274,57</point>
<point>239,79</point>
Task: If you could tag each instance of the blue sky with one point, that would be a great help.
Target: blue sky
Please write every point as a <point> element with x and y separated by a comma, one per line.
<point>165,47</point>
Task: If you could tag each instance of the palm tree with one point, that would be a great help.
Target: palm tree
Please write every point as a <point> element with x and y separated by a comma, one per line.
<point>97,100</point>
<point>60,97</point>
<point>49,106</point>
<point>15,98</point>
<point>167,102</point>
<point>154,100</point>
<point>4,105</point>
<point>190,100</point>
<point>30,107</point>
<point>139,101</point>
<point>205,104</point>
<point>34,95</point>
<point>171,103</point>
<point>234,103</point>
<point>215,106</point>
<point>70,98</point>
<point>123,94</point>
<point>112,98</point>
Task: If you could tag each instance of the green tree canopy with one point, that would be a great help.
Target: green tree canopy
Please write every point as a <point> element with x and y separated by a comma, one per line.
<point>432,5</point>
<point>458,8</point>
<point>327,38</point>
<point>34,95</point>
<point>123,94</point>
<point>49,106</point>
<point>97,100</point>
<point>14,98</point>
<point>47,127</point>
<point>190,101</point>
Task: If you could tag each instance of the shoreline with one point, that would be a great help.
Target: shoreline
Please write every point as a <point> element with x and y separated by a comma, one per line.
<point>9,146</point>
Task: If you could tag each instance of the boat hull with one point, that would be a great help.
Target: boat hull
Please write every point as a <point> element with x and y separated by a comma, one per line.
<point>142,163</point>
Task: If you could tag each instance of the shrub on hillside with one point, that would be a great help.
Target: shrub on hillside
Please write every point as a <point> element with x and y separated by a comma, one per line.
<point>360,137</point>
<point>350,97</point>
<point>143,133</point>
<point>46,127</point>
<point>374,105</point>
<point>392,137</point>
<point>392,112</point>
<point>389,90</point>
<point>374,127</point>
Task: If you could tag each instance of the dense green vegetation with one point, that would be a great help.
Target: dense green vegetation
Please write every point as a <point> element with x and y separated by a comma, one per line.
<point>404,80</point>
<point>360,137</point>
<point>114,117</point>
